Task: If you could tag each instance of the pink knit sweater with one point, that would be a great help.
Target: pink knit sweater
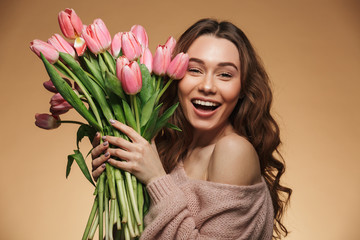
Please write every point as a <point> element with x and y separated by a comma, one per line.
<point>185,208</point>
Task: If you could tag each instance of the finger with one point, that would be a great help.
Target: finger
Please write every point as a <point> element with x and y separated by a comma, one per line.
<point>97,172</point>
<point>130,132</point>
<point>127,166</point>
<point>96,139</point>
<point>119,142</point>
<point>99,149</point>
<point>120,153</point>
<point>100,160</point>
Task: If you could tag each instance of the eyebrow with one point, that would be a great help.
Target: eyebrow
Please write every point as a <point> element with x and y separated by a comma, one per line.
<point>222,64</point>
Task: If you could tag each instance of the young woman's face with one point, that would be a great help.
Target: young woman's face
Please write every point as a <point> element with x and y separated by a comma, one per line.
<point>210,89</point>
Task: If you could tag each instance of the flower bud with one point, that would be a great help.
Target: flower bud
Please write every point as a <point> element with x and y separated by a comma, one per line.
<point>171,43</point>
<point>141,35</point>
<point>147,59</point>
<point>61,45</point>
<point>116,45</point>
<point>130,46</point>
<point>120,63</point>
<point>161,60</point>
<point>47,121</point>
<point>178,66</point>
<point>59,105</point>
<point>70,24</point>
<point>49,52</point>
<point>131,80</point>
<point>80,46</point>
<point>97,37</point>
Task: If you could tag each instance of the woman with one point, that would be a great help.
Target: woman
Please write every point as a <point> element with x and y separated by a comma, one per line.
<point>218,178</point>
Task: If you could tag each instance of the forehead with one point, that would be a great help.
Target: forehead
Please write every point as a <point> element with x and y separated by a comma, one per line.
<point>213,49</point>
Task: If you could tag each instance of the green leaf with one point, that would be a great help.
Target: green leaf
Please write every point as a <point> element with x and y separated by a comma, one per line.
<point>165,117</point>
<point>110,62</point>
<point>78,157</point>
<point>68,94</point>
<point>129,116</point>
<point>85,130</point>
<point>147,110</point>
<point>113,84</point>
<point>149,128</point>
<point>147,89</point>
<point>93,87</point>
<point>94,70</point>
<point>172,126</point>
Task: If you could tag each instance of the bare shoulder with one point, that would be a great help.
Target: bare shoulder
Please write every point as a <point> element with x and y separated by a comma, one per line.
<point>234,161</point>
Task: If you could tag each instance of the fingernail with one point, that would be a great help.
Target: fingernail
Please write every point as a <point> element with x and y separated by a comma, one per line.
<point>103,165</point>
<point>105,143</point>
<point>107,154</point>
<point>112,121</point>
<point>104,138</point>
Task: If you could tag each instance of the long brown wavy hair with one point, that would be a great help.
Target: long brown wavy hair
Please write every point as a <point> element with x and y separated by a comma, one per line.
<point>251,117</point>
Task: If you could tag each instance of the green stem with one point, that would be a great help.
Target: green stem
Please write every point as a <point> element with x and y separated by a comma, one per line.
<point>90,220</point>
<point>132,197</point>
<point>101,204</point>
<point>164,89</point>
<point>136,110</point>
<point>83,89</point>
<point>75,122</point>
<point>109,62</point>
<point>94,227</point>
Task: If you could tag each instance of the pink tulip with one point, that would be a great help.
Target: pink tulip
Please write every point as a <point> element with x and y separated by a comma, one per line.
<point>120,63</point>
<point>178,66</point>
<point>48,85</point>
<point>47,121</point>
<point>161,60</point>
<point>49,52</point>
<point>147,59</point>
<point>116,45</point>
<point>130,46</point>
<point>97,37</point>
<point>61,45</point>
<point>141,35</point>
<point>171,43</point>
<point>70,24</point>
<point>59,105</point>
<point>131,80</point>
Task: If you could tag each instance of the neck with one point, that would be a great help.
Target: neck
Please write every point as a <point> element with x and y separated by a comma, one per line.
<point>203,138</point>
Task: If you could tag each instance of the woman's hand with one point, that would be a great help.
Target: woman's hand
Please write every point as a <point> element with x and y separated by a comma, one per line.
<point>140,157</point>
<point>99,159</point>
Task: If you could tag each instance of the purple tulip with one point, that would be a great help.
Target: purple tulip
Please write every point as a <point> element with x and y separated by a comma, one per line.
<point>47,121</point>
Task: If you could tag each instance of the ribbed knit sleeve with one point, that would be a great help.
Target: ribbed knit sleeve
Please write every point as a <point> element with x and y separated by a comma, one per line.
<point>183,208</point>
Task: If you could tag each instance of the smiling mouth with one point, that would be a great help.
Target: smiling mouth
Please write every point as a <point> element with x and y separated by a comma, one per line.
<point>205,105</point>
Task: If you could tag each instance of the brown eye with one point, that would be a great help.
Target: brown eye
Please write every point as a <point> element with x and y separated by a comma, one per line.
<point>225,75</point>
<point>194,70</point>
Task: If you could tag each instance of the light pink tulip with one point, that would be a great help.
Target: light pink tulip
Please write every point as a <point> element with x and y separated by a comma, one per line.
<point>116,45</point>
<point>141,35</point>
<point>61,45</point>
<point>70,24</point>
<point>178,66</point>
<point>59,105</point>
<point>48,85</point>
<point>147,59</point>
<point>171,43</point>
<point>47,121</point>
<point>130,46</point>
<point>49,52</point>
<point>161,60</point>
<point>120,63</point>
<point>131,80</point>
<point>97,37</point>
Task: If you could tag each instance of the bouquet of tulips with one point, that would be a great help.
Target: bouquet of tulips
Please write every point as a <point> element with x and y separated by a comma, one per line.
<point>104,79</point>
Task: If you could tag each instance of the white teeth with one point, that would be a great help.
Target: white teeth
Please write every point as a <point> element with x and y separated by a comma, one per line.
<point>205,103</point>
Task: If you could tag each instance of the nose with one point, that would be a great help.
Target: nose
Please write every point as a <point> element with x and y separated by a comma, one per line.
<point>207,85</point>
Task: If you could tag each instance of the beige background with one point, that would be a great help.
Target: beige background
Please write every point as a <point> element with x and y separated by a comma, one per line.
<point>311,50</point>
